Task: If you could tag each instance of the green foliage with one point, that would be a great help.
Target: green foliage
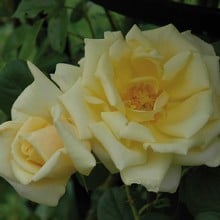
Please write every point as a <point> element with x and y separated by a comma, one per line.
<point>57,30</point>
<point>14,77</point>
<point>31,8</point>
<point>113,204</point>
<point>12,206</point>
<point>96,178</point>
<point>200,192</point>
<point>3,116</point>
<point>155,216</point>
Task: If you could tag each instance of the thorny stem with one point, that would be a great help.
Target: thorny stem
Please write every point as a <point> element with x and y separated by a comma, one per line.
<point>131,204</point>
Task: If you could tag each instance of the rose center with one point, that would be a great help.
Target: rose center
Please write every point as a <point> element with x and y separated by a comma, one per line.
<point>30,153</point>
<point>140,96</point>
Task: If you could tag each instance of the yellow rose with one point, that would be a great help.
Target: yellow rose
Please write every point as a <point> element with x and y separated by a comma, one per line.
<point>35,158</point>
<point>149,102</point>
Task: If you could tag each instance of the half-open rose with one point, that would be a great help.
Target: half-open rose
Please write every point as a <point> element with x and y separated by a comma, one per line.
<point>149,102</point>
<point>36,159</point>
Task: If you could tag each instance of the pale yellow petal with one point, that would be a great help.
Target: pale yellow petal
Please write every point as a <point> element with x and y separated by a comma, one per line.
<point>30,125</point>
<point>175,64</point>
<point>94,48</point>
<point>188,117</point>
<point>105,74</point>
<point>77,149</point>
<point>8,131</point>
<point>121,155</point>
<point>201,45</point>
<point>22,175</point>
<point>172,145</point>
<point>161,101</point>
<point>150,174</point>
<point>47,191</point>
<point>168,41</point>
<point>118,50</point>
<point>200,156</point>
<point>45,141</point>
<point>58,166</point>
<point>113,36</point>
<point>136,38</point>
<point>212,64</point>
<point>66,75</point>
<point>116,121</point>
<point>137,132</point>
<point>123,129</point>
<point>192,79</point>
<point>37,98</point>
<point>104,157</point>
<point>75,104</point>
<point>208,133</point>
<point>171,179</point>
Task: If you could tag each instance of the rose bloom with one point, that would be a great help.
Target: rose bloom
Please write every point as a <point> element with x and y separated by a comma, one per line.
<point>149,103</point>
<point>35,158</point>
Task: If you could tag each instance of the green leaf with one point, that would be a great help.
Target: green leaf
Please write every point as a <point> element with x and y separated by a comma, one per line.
<point>77,12</point>
<point>31,8</point>
<point>57,30</point>
<point>200,190</point>
<point>21,42</point>
<point>3,116</point>
<point>155,216</point>
<point>113,204</point>
<point>12,206</point>
<point>14,77</point>
<point>216,46</point>
<point>29,40</point>
<point>208,216</point>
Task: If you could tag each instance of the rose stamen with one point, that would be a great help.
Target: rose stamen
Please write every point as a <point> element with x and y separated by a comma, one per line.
<point>140,96</point>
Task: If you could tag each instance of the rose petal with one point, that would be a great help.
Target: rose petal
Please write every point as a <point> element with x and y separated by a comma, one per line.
<point>30,125</point>
<point>105,73</point>
<point>36,99</point>
<point>116,121</point>
<point>175,64</point>
<point>118,50</point>
<point>82,158</point>
<point>22,175</point>
<point>58,166</point>
<point>199,156</point>
<point>104,157</point>
<point>186,118</point>
<point>136,38</point>
<point>179,146</point>
<point>94,48</point>
<point>8,131</point>
<point>45,192</point>
<point>45,141</point>
<point>203,47</point>
<point>171,179</point>
<point>75,104</point>
<point>212,64</point>
<point>124,129</point>
<point>150,174</point>
<point>193,79</point>
<point>168,41</point>
<point>66,75</point>
<point>121,155</point>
